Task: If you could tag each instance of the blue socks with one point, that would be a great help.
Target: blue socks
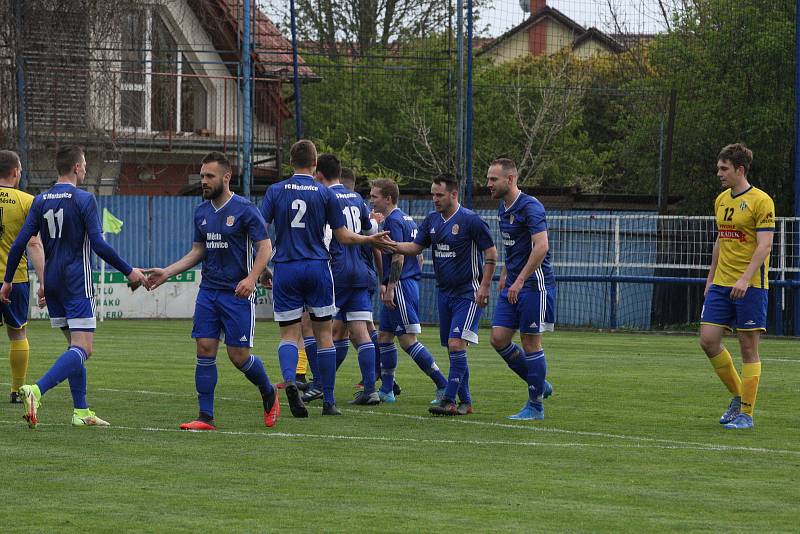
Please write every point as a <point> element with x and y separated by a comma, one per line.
<point>464,393</point>
<point>537,370</point>
<point>310,344</point>
<point>287,357</point>
<point>374,337</point>
<point>255,373</point>
<point>458,367</point>
<point>515,359</point>
<point>77,387</point>
<point>68,364</point>
<point>341,347</point>
<point>388,365</point>
<point>205,380</point>
<point>426,363</point>
<point>366,362</point>
<point>326,359</point>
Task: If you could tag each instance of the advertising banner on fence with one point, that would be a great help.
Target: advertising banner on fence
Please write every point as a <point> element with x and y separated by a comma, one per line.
<point>173,300</point>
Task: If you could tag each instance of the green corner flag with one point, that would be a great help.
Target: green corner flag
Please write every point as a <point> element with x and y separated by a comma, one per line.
<point>110,223</point>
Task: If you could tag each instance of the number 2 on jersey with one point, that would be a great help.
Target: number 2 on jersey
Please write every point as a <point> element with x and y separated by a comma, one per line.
<point>52,218</point>
<point>300,206</point>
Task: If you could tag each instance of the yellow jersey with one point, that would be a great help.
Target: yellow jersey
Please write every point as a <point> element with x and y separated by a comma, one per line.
<point>739,217</point>
<point>14,207</point>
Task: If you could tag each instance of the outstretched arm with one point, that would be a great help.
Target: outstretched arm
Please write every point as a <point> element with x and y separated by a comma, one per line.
<point>409,249</point>
<point>192,258</point>
<point>108,254</point>
<point>380,240</point>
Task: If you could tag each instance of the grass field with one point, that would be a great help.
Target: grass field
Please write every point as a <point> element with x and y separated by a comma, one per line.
<point>630,443</point>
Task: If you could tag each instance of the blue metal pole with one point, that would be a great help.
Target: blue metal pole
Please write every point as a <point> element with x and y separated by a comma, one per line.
<point>468,117</point>
<point>247,124</point>
<point>795,293</point>
<point>22,136</point>
<point>460,93</point>
<point>298,121</point>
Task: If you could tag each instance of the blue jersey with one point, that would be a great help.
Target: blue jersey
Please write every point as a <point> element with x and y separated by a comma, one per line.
<point>347,261</point>
<point>458,244</point>
<point>402,229</point>
<point>67,220</point>
<point>228,234</point>
<point>524,218</point>
<point>299,208</point>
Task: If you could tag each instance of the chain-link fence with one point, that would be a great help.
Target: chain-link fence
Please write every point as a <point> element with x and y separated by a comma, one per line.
<point>621,104</point>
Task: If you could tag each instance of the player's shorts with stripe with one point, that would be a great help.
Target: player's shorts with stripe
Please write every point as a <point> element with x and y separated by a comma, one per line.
<point>75,313</point>
<point>220,311</point>
<point>354,304</point>
<point>299,285</point>
<point>746,313</point>
<point>15,313</point>
<point>404,318</point>
<point>458,319</point>
<point>534,312</point>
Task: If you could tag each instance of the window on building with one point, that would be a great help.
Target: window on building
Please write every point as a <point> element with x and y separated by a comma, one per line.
<point>160,90</point>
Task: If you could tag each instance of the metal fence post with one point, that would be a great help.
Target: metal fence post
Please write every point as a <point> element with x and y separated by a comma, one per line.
<point>22,135</point>
<point>298,121</point>
<point>247,124</point>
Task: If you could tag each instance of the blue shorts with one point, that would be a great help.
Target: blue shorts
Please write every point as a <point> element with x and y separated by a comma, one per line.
<point>301,285</point>
<point>354,304</point>
<point>219,311</point>
<point>458,319</point>
<point>746,313</point>
<point>77,313</point>
<point>15,314</point>
<point>403,319</point>
<point>534,312</point>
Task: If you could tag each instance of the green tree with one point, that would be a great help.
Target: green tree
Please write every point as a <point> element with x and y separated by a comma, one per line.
<point>732,65</point>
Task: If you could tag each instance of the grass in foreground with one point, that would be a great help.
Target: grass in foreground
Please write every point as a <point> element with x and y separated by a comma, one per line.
<point>631,443</point>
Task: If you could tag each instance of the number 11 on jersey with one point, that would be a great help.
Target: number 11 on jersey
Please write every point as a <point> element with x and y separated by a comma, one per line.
<point>52,218</point>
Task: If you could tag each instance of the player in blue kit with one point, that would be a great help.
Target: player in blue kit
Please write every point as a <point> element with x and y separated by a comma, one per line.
<point>351,278</point>
<point>400,296</point>
<point>299,208</point>
<point>528,295</point>
<point>374,264</point>
<point>230,238</point>
<point>460,240</point>
<point>66,219</point>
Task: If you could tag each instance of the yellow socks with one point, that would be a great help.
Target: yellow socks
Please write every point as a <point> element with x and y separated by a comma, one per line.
<point>723,365</point>
<point>302,361</point>
<point>18,354</point>
<point>751,373</point>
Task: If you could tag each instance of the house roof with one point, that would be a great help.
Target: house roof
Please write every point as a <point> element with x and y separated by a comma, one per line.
<point>558,16</point>
<point>272,51</point>
<point>595,34</point>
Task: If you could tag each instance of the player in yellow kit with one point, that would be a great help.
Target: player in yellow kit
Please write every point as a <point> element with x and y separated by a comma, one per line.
<point>737,284</point>
<point>14,207</point>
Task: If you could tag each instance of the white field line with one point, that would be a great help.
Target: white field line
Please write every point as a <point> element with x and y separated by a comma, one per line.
<point>655,443</point>
<point>787,360</point>
<point>485,443</point>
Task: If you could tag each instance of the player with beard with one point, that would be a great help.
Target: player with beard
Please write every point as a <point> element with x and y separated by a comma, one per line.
<point>227,230</point>
<point>527,285</point>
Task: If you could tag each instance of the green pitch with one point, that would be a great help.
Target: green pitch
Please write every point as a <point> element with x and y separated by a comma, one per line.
<point>630,443</point>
